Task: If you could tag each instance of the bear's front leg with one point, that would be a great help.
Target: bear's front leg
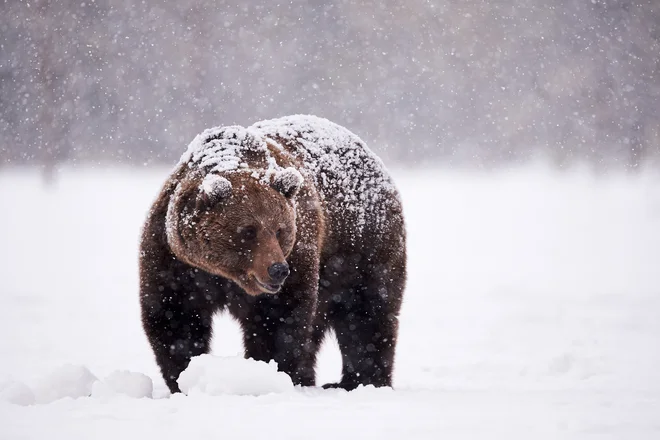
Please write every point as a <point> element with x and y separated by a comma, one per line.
<point>176,334</point>
<point>278,328</point>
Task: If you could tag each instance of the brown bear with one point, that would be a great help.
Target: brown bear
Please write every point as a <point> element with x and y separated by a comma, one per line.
<point>292,225</point>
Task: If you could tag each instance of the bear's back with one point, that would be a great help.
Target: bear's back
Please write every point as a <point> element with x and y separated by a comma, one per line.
<point>349,177</point>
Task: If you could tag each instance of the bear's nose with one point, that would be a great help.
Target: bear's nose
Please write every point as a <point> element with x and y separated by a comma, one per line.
<point>278,272</point>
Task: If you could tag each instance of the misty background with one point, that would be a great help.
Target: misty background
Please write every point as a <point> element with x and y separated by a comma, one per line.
<point>477,83</point>
<point>523,136</point>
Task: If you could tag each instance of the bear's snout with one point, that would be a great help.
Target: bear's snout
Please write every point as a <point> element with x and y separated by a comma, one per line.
<point>278,272</point>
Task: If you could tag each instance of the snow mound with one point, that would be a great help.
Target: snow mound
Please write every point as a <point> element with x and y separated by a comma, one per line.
<point>128,383</point>
<point>214,375</point>
<point>17,393</point>
<point>66,381</point>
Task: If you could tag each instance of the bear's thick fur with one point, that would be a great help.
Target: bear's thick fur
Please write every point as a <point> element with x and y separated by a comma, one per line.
<point>244,208</point>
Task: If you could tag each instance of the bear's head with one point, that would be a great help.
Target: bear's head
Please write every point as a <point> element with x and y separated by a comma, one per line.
<point>236,225</point>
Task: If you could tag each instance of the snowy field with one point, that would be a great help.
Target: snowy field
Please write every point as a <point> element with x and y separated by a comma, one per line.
<point>532,312</point>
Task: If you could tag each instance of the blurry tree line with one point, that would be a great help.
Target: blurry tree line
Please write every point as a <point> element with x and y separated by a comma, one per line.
<point>470,81</point>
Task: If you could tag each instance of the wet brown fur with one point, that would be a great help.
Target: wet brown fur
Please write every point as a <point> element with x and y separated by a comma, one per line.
<point>352,284</point>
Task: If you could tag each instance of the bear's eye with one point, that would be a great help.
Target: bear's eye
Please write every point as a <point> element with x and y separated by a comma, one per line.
<point>278,234</point>
<point>249,233</point>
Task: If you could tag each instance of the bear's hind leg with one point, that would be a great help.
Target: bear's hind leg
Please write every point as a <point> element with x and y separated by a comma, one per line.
<point>367,343</point>
<point>365,317</point>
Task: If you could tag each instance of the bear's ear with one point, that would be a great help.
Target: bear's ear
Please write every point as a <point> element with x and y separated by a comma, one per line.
<point>288,182</point>
<point>213,189</point>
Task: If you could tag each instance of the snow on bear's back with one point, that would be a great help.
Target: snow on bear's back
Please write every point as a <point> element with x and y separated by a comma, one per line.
<point>348,174</point>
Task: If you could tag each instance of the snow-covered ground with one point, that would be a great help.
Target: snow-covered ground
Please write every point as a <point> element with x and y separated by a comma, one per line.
<point>532,311</point>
